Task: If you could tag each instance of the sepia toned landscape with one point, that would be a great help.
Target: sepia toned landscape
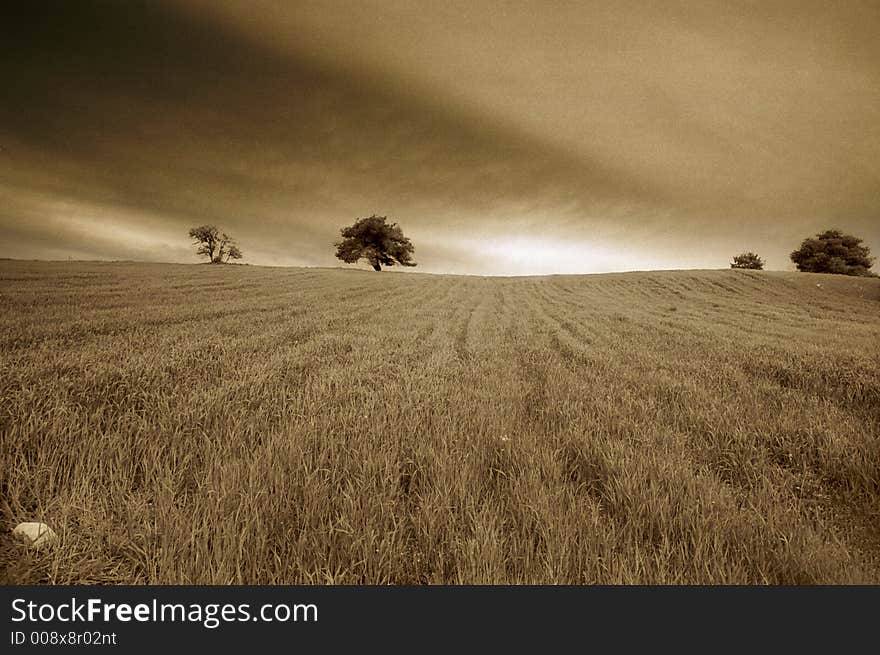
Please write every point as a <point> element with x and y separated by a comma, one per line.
<point>246,425</point>
<point>383,292</point>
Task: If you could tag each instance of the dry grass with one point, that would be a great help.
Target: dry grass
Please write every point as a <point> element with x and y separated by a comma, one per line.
<point>199,424</point>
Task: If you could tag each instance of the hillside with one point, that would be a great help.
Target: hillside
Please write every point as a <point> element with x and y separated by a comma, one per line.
<point>235,424</point>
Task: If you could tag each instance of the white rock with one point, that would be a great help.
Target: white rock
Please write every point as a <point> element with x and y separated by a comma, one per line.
<point>36,535</point>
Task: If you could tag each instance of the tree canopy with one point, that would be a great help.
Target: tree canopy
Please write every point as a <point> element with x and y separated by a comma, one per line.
<point>374,239</point>
<point>832,251</point>
<point>748,260</point>
<point>217,246</point>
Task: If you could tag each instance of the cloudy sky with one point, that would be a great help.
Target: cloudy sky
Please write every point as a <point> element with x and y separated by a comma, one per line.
<point>505,137</point>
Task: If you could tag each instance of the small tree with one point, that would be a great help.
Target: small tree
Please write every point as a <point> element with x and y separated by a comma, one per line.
<point>217,246</point>
<point>748,260</point>
<point>832,251</point>
<point>374,239</point>
<point>233,253</point>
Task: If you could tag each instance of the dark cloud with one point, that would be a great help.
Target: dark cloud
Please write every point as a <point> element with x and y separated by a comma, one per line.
<point>610,135</point>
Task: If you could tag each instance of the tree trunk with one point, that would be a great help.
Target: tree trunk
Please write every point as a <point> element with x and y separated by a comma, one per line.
<point>377,267</point>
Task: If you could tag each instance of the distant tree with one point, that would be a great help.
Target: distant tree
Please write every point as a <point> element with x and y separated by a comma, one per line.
<point>832,251</point>
<point>217,246</point>
<point>748,260</point>
<point>233,253</point>
<point>374,239</point>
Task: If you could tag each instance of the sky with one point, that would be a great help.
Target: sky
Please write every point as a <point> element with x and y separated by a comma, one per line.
<point>505,137</point>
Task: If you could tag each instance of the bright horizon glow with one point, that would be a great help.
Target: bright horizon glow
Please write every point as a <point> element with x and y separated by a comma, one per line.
<point>527,255</point>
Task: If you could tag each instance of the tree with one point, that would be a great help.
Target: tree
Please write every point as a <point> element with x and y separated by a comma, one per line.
<point>233,253</point>
<point>218,246</point>
<point>748,260</point>
<point>832,251</point>
<point>374,239</point>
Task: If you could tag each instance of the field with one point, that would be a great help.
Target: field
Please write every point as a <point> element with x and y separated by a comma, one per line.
<point>236,424</point>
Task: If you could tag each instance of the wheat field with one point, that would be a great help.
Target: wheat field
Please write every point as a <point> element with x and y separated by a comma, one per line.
<point>237,424</point>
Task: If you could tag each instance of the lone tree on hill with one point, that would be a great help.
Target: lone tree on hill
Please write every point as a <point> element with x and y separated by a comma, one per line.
<point>218,246</point>
<point>748,260</point>
<point>374,239</point>
<point>832,251</point>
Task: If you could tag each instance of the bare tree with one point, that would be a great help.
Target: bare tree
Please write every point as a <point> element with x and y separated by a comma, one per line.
<point>233,253</point>
<point>217,246</point>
